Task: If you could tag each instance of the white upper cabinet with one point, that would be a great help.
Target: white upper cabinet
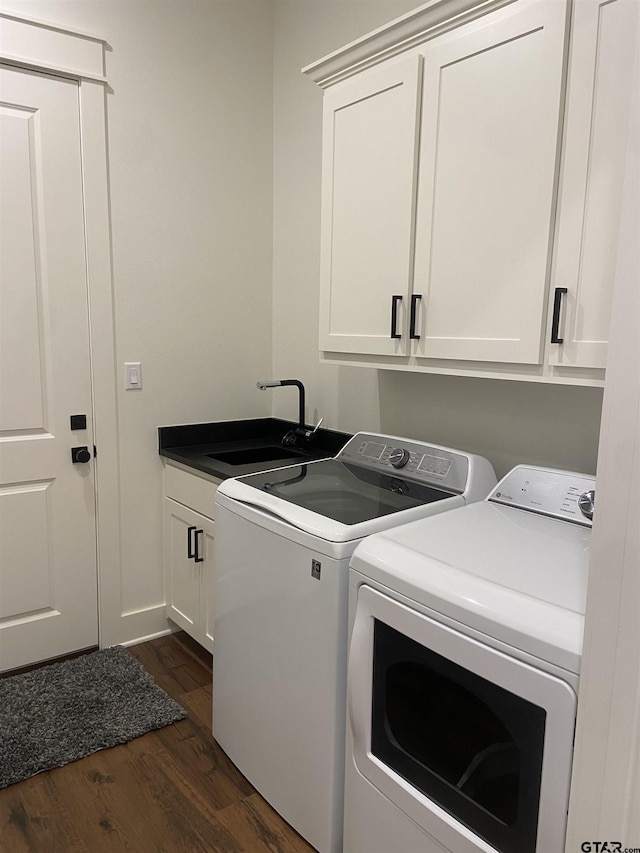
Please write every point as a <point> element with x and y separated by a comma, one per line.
<point>598,100</point>
<point>369,177</point>
<point>472,163</point>
<point>488,153</point>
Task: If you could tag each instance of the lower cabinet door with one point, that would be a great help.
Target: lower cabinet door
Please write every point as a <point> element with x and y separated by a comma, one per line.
<point>189,570</point>
<point>206,584</point>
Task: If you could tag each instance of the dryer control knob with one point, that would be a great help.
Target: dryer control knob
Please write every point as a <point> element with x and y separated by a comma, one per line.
<point>587,502</point>
<point>399,457</point>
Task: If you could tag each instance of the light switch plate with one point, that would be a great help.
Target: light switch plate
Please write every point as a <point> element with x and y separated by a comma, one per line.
<point>132,375</point>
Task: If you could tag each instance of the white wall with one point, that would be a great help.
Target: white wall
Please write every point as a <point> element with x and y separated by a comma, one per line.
<point>190,159</point>
<point>509,422</point>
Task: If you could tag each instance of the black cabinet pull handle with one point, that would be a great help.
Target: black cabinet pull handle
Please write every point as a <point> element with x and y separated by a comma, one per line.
<point>412,320</point>
<point>190,552</point>
<point>555,323</point>
<point>395,301</point>
<point>197,557</point>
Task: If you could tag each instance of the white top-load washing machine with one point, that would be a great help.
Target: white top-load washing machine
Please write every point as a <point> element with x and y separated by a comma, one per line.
<point>465,648</point>
<point>281,554</point>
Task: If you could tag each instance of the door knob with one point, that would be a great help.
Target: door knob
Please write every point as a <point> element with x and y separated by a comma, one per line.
<point>80,454</point>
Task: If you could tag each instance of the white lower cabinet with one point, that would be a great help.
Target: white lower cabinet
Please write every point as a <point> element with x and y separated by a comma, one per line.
<point>188,551</point>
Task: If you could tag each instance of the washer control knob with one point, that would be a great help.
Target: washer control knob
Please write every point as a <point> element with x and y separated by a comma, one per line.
<point>587,502</point>
<point>399,457</point>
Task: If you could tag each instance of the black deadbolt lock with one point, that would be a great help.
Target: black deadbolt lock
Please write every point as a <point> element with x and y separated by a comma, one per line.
<point>80,454</point>
<point>78,421</point>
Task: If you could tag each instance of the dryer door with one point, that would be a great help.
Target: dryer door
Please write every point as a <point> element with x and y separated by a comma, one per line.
<point>470,743</point>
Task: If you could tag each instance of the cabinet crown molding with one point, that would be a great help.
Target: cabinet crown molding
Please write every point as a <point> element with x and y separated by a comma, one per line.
<point>419,25</point>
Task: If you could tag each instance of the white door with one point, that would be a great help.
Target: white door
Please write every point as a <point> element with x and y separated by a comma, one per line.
<point>488,154</point>
<point>48,584</point>
<point>368,187</point>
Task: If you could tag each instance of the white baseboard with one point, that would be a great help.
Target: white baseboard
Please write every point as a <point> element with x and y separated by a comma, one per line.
<point>174,629</point>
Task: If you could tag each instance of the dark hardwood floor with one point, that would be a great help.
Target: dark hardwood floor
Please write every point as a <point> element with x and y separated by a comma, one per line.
<point>170,790</point>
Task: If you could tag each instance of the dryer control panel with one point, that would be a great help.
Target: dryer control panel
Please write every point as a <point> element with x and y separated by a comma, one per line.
<point>548,491</point>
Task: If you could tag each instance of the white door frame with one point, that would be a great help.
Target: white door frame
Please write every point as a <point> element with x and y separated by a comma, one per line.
<point>37,46</point>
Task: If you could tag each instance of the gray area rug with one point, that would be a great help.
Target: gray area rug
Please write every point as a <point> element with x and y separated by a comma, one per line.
<point>62,712</point>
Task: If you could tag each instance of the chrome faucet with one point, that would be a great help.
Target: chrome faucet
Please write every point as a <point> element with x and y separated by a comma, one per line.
<point>301,433</point>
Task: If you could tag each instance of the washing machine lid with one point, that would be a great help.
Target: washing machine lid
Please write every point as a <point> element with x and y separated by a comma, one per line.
<point>336,501</point>
<point>375,482</point>
<point>513,575</point>
<point>343,492</point>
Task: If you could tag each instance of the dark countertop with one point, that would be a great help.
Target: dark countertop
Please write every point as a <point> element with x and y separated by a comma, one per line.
<point>196,445</point>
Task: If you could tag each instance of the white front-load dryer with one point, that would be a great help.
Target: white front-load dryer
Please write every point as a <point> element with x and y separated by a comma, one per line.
<point>464,659</point>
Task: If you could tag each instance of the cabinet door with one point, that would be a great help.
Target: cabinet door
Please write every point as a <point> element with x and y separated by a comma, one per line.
<point>369,177</point>
<point>598,98</point>
<point>188,555</point>
<point>205,550</point>
<point>488,161</point>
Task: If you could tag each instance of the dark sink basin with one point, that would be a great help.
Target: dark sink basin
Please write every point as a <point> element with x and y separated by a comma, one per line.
<point>228,448</point>
<point>256,454</point>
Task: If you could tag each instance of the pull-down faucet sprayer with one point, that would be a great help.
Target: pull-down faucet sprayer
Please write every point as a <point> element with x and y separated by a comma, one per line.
<point>301,433</point>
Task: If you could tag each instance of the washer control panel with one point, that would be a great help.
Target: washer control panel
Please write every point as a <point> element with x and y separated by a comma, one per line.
<point>428,464</point>
<point>548,491</point>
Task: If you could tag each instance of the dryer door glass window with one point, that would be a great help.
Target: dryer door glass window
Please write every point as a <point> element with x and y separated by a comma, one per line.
<point>467,744</point>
